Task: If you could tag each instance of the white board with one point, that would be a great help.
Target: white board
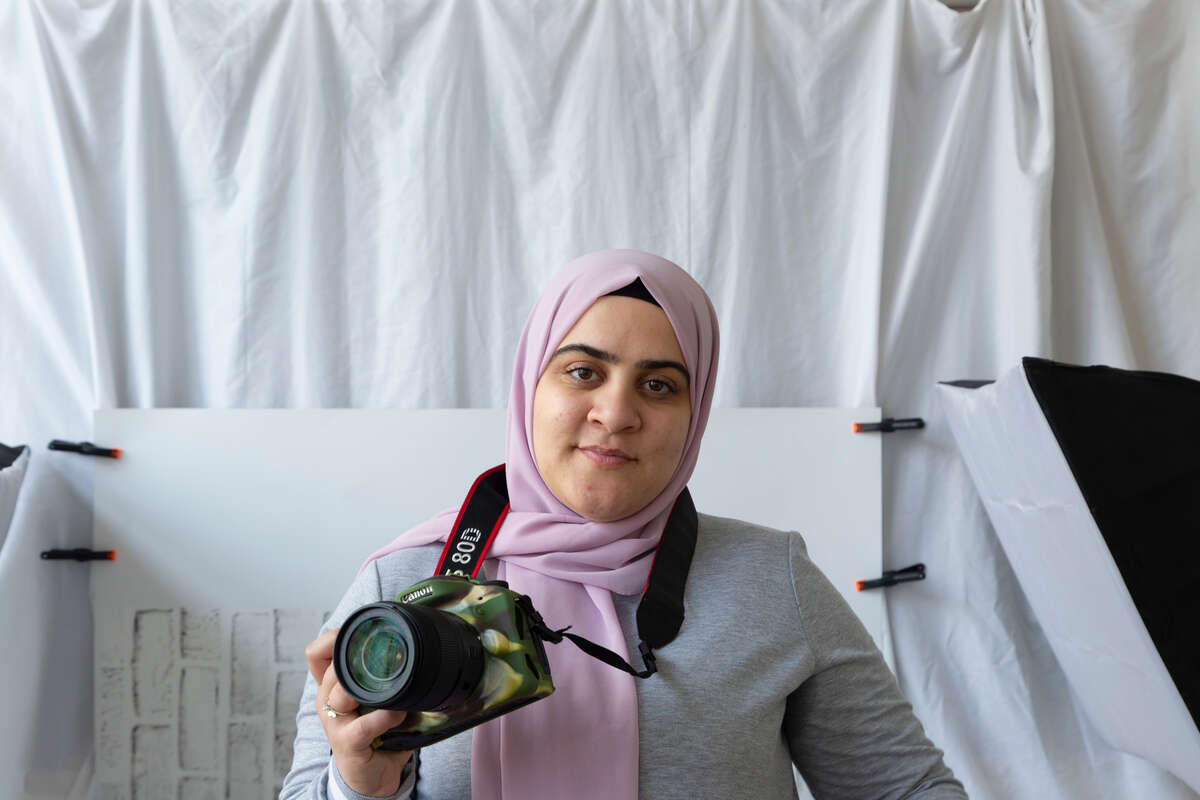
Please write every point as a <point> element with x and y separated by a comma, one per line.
<point>236,530</point>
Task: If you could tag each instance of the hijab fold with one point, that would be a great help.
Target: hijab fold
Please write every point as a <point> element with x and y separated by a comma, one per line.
<point>582,741</point>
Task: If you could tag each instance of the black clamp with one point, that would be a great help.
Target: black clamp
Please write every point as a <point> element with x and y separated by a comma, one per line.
<point>85,448</point>
<point>79,554</point>
<point>891,577</point>
<point>889,424</point>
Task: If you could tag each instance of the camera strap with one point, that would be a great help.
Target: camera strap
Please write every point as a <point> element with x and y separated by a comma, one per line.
<point>660,611</point>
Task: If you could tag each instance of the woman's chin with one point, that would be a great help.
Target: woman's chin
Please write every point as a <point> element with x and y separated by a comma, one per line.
<point>607,509</point>
<point>602,508</point>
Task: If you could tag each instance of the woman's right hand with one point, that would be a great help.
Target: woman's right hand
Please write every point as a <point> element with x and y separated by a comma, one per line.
<point>366,770</point>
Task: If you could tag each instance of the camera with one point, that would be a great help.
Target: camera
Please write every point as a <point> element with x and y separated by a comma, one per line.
<point>453,652</point>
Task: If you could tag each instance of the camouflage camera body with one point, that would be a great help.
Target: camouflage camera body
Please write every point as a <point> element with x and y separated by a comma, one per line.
<point>515,673</point>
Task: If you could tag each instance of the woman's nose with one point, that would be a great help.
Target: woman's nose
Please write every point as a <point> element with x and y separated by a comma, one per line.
<point>615,409</point>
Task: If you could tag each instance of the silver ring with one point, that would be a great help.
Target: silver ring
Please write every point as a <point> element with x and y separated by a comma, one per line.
<point>329,712</point>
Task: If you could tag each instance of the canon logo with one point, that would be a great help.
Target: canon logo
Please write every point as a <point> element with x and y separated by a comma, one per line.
<point>419,593</point>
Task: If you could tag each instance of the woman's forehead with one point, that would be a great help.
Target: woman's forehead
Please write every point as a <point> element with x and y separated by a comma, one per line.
<point>633,327</point>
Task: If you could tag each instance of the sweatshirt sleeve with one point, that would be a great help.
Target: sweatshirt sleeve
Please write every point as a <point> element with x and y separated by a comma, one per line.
<point>313,775</point>
<point>850,731</point>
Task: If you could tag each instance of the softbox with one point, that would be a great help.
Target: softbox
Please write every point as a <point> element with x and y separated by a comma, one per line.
<point>13,463</point>
<point>1091,478</point>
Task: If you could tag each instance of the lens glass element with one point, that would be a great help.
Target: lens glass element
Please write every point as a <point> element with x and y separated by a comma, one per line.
<point>378,653</point>
<point>408,657</point>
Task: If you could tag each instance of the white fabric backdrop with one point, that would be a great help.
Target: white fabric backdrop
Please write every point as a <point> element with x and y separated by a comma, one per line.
<point>353,204</point>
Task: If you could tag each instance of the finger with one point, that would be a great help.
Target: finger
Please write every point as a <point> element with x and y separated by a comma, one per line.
<point>328,683</point>
<point>332,697</point>
<point>347,731</point>
<point>365,728</point>
<point>339,699</point>
<point>324,688</point>
<point>336,724</point>
<point>319,654</point>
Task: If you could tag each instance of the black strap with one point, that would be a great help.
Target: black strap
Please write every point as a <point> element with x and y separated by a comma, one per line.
<point>660,611</point>
<point>599,651</point>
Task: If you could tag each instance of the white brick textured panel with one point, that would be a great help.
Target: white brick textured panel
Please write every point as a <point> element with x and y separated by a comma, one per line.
<point>198,718</point>
<point>153,776</point>
<point>251,667</point>
<point>109,791</point>
<point>201,639</point>
<point>153,650</point>
<point>293,631</point>
<point>194,788</point>
<point>288,688</point>
<point>112,725</point>
<point>247,760</point>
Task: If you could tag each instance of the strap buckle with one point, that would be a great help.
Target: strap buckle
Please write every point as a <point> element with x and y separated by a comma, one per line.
<point>648,659</point>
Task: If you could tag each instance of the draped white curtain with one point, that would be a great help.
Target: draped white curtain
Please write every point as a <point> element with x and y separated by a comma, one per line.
<point>313,203</point>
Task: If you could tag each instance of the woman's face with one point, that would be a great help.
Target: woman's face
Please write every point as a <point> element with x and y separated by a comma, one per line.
<point>611,411</point>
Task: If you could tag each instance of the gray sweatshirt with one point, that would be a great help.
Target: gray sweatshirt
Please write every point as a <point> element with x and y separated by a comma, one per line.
<point>771,668</point>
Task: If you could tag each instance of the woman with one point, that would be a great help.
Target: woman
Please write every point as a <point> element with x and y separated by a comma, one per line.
<point>611,392</point>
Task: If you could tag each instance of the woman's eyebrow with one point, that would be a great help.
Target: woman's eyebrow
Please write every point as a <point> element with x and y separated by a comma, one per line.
<point>609,358</point>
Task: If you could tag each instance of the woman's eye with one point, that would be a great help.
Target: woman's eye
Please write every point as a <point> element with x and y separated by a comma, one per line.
<point>656,386</point>
<point>582,373</point>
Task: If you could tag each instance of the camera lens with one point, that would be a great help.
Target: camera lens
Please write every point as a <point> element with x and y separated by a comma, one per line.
<point>380,652</point>
<point>408,657</point>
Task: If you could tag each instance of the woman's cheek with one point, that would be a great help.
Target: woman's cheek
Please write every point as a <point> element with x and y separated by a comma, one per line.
<point>570,412</point>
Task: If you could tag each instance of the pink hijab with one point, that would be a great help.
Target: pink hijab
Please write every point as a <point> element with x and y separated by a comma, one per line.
<point>582,741</point>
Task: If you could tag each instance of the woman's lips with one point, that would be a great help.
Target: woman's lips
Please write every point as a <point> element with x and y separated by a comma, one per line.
<point>607,459</point>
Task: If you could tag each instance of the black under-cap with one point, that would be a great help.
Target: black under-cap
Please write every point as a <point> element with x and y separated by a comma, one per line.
<point>637,290</point>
